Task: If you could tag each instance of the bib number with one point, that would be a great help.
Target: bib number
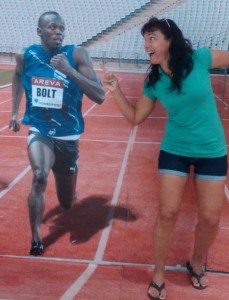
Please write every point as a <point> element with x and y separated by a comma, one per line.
<point>47,92</point>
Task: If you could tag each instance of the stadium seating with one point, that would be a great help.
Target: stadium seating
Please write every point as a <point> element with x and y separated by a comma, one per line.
<point>84,19</point>
<point>204,22</point>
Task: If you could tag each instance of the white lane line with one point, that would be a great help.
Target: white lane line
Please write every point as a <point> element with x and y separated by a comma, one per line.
<point>78,261</point>
<point>7,126</point>
<point>87,112</point>
<point>89,140</point>
<point>121,116</point>
<point>79,283</point>
<point>177,267</point>
<point>5,101</point>
<point>14,182</point>
<point>4,86</point>
<point>84,277</point>
<point>106,231</point>
<point>13,136</point>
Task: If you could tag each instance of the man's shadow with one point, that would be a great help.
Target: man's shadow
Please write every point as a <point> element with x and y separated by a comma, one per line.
<point>3,185</point>
<point>84,219</point>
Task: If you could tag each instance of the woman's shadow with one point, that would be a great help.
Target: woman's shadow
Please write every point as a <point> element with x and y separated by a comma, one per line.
<point>84,219</point>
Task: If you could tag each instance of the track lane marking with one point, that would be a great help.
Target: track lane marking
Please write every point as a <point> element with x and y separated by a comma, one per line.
<point>15,181</point>
<point>75,288</point>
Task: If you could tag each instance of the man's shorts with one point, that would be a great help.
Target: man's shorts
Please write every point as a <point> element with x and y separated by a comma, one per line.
<point>66,152</point>
<point>204,168</point>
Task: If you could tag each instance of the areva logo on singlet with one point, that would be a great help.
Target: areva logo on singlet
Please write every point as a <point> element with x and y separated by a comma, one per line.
<point>47,92</point>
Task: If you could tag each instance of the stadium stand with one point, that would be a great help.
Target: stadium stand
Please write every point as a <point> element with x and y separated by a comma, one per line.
<point>110,29</point>
<point>204,22</point>
<point>84,19</point>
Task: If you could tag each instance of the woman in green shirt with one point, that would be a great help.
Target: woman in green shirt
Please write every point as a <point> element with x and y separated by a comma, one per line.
<point>179,78</point>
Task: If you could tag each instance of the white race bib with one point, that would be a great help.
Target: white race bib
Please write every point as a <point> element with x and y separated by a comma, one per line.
<point>47,92</point>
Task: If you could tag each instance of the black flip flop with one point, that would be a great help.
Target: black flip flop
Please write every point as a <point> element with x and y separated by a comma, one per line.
<point>195,275</point>
<point>158,288</point>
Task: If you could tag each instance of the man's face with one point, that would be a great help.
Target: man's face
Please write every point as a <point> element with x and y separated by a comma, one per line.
<point>51,32</point>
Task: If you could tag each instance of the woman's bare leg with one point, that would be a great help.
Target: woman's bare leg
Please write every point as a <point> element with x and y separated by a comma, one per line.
<point>171,192</point>
<point>210,196</point>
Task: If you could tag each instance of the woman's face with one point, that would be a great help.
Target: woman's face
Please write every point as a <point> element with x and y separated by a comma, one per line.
<point>157,46</point>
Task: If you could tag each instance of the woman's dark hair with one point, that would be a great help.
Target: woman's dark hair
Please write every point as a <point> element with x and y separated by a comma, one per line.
<point>180,50</point>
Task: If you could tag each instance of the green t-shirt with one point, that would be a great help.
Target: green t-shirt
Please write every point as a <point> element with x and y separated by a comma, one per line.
<point>193,128</point>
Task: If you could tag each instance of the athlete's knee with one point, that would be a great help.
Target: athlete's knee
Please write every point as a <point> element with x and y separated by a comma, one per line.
<point>168,216</point>
<point>40,179</point>
<point>210,220</point>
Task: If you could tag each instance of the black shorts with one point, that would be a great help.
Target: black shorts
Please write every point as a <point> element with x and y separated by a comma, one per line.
<point>204,168</point>
<point>66,152</point>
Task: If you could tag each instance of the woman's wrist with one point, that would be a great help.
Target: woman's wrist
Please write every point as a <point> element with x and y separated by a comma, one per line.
<point>116,91</point>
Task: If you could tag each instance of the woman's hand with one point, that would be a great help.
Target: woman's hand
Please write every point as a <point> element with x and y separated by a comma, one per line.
<point>110,80</point>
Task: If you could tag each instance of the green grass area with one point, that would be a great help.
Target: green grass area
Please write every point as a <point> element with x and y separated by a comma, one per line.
<point>6,76</point>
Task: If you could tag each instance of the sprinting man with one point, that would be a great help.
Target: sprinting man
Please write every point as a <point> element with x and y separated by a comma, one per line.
<point>54,78</point>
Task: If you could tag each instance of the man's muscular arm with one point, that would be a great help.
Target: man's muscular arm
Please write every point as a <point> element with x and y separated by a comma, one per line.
<point>85,76</point>
<point>17,93</point>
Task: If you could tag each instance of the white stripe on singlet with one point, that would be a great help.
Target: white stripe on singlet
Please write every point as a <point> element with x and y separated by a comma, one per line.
<point>64,138</point>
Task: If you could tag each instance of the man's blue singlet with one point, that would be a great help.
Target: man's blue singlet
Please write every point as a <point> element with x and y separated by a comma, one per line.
<point>43,84</point>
